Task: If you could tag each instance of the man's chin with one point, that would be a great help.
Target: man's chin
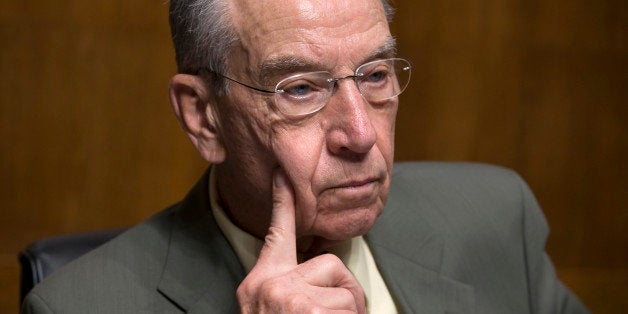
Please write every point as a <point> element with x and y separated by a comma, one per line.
<point>338,224</point>
<point>349,224</point>
<point>330,237</point>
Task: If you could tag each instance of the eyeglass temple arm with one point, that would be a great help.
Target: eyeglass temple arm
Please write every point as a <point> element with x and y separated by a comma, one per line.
<point>243,84</point>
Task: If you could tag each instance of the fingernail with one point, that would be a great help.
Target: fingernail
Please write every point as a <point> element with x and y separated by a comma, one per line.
<point>279,179</point>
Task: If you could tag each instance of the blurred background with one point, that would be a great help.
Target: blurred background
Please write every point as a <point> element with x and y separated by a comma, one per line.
<point>88,140</point>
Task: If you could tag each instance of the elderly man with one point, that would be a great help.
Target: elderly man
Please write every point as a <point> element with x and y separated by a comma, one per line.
<point>294,103</point>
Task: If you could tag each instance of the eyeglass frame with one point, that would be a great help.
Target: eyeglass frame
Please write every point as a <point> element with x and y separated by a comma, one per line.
<point>332,79</point>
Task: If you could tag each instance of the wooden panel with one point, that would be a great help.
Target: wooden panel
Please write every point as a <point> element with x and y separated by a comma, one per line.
<point>9,283</point>
<point>88,140</point>
<point>603,290</point>
<point>87,137</point>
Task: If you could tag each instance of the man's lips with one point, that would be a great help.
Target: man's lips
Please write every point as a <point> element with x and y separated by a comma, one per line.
<point>352,193</point>
<point>355,183</point>
<point>355,189</point>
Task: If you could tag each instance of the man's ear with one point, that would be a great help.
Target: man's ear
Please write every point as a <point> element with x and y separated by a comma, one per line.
<point>191,101</point>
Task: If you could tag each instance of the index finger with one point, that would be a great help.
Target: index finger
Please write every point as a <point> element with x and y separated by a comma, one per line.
<point>280,248</point>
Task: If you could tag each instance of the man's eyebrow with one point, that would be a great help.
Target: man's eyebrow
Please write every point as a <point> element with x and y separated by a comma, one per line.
<point>271,68</point>
<point>282,65</point>
<point>387,50</point>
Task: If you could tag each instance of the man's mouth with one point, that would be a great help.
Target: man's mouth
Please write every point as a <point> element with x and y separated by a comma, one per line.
<point>356,184</point>
<point>357,192</point>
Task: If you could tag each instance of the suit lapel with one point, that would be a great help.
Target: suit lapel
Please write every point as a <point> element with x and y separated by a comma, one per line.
<point>201,271</point>
<point>409,254</point>
<point>417,289</point>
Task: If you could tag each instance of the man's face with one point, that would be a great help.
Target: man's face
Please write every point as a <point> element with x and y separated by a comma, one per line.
<point>338,160</point>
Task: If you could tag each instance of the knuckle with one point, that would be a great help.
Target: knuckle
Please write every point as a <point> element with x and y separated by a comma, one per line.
<point>277,294</point>
<point>242,292</point>
<point>273,290</point>
<point>245,290</point>
<point>274,235</point>
<point>330,261</point>
<point>276,231</point>
<point>316,310</point>
<point>345,294</point>
<point>246,296</point>
<point>279,198</point>
<point>296,302</point>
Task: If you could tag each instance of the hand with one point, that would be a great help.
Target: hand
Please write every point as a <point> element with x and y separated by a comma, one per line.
<point>278,284</point>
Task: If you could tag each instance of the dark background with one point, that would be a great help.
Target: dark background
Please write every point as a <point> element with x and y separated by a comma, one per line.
<point>88,140</point>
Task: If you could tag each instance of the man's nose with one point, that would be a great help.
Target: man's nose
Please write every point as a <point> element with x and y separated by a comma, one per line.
<point>350,129</point>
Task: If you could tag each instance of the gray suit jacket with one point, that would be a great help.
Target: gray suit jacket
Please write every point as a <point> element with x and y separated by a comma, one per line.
<point>453,238</point>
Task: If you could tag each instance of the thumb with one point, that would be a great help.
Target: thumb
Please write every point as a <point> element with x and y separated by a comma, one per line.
<point>280,242</point>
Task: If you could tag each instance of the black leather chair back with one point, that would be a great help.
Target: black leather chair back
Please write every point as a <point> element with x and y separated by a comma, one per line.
<point>43,257</point>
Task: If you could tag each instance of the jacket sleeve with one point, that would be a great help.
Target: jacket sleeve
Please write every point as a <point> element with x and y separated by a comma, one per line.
<point>547,294</point>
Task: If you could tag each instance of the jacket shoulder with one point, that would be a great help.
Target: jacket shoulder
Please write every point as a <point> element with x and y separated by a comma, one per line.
<point>457,187</point>
<point>120,276</point>
<point>456,173</point>
<point>476,212</point>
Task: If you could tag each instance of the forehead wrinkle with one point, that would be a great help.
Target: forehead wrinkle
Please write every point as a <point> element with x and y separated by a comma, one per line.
<point>278,65</point>
<point>300,28</point>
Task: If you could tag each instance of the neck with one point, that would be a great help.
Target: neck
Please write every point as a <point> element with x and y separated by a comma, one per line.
<point>248,210</point>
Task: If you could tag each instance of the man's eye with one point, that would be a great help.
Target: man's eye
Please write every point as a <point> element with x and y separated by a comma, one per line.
<point>298,90</point>
<point>375,77</point>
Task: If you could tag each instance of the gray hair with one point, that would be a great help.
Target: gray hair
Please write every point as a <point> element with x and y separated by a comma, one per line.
<point>203,34</point>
